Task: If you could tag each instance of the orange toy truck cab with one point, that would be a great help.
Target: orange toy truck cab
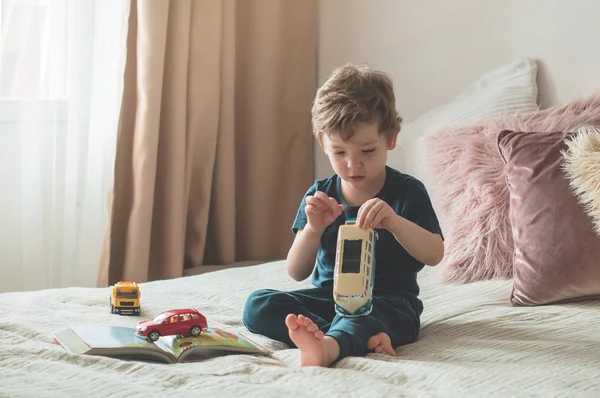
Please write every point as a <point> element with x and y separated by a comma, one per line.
<point>125,298</point>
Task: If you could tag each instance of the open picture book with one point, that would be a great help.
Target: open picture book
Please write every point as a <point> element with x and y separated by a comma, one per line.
<point>123,343</point>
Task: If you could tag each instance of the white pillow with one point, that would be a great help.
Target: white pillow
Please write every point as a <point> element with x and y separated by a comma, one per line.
<point>508,89</point>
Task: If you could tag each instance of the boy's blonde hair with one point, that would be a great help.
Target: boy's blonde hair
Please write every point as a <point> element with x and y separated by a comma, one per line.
<point>355,93</point>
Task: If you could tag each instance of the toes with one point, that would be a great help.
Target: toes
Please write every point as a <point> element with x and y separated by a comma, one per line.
<point>391,352</point>
<point>373,342</point>
<point>381,344</point>
<point>305,321</point>
<point>292,321</point>
<point>302,320</point>
<point>388,351</point>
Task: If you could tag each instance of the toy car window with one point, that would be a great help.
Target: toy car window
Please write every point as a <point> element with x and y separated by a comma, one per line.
<point>122,294</point>
<point>173,319</point>
<point>352,256</point>
<point>159,318</point>
<point>185,317</point>
<point>195,316</point>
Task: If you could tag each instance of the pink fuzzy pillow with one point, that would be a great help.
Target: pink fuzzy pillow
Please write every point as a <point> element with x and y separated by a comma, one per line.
<point>469,192</point>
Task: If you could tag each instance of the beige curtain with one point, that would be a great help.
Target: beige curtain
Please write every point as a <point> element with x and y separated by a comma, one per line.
<point>214,149</point>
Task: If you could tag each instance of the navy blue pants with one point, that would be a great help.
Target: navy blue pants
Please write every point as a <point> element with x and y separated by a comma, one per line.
<point>265,312</point>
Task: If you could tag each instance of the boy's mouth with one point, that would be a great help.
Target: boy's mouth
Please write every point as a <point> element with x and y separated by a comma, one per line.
<point>356,178</point>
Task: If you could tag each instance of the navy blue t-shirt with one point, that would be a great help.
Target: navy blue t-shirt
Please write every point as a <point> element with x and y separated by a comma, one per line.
<point>396,270</point>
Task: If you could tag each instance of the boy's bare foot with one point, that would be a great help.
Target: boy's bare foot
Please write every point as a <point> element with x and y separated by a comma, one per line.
<point>315,348</point>
<point>381,344</point>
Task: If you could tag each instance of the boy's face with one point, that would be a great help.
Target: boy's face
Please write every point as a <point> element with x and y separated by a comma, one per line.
<point>360,161</point>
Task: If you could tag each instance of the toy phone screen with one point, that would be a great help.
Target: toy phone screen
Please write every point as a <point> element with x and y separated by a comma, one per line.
<point>352,256</point>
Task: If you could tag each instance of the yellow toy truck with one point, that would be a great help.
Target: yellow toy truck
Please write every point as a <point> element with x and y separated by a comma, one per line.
<point>125,298</point>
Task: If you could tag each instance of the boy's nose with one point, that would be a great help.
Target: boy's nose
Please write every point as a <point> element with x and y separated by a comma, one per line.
<point>354,164</point>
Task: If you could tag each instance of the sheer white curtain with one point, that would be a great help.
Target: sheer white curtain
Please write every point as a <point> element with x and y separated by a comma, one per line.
<point>61,70</point>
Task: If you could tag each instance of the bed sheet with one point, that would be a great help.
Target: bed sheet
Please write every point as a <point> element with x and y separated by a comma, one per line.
<point>472,343</point>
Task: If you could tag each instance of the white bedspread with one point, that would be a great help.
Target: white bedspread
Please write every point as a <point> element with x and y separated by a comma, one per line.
<point>472,343</point>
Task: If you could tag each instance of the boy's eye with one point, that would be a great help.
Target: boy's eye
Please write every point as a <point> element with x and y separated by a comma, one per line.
<point>368,150</point>
<point>339,153</point>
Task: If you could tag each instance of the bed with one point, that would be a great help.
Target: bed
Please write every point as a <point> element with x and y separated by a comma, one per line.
<point>472,343</point>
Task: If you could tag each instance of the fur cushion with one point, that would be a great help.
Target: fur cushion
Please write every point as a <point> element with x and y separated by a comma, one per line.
<point>582,167</point>
<point>470,193</point>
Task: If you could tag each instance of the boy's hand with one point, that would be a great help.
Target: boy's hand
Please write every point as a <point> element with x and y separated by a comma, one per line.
<point>321,211</point>
<point>375,213</point>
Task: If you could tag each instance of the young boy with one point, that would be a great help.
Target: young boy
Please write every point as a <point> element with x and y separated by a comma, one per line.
<point>356,123</point>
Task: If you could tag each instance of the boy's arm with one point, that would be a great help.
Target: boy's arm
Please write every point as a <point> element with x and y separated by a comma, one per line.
<point>423,245</point>
<point>302,255</point>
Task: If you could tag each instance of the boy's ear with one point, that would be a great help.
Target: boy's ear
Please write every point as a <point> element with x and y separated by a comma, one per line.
<point>392,140</point>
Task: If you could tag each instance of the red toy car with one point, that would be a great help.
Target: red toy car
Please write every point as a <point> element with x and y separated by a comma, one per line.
<point>185,322</point>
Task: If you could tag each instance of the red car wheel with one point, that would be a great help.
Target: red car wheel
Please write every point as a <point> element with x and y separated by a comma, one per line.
<point>153,335</point>
<point>196,330</point>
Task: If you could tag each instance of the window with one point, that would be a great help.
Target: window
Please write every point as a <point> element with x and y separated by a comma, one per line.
<point>159,318</point>
<point>185,317</point>
<point>33,49</point>
<point>129,295</point>
<point>352,256</point>
<point>61,73</point>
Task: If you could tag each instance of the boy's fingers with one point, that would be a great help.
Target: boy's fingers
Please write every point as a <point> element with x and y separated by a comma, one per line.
<point>311,209</point>
<point>376,220</point>
<point>331,203</point>
<point>321,199</point>
<point>311,200</point>
<point>363,212</point>
<point>379,214</point>
<point>374,214</point>
<point>320,195</point>
<point>316,202</point>
<point>334,207</point>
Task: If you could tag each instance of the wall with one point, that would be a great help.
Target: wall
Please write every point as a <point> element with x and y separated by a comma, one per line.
<point>433,48</point>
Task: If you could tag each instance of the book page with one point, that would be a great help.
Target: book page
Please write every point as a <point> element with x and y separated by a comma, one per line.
<point>115,341</point>
<point>111,337</point>
<point>212,340</point>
